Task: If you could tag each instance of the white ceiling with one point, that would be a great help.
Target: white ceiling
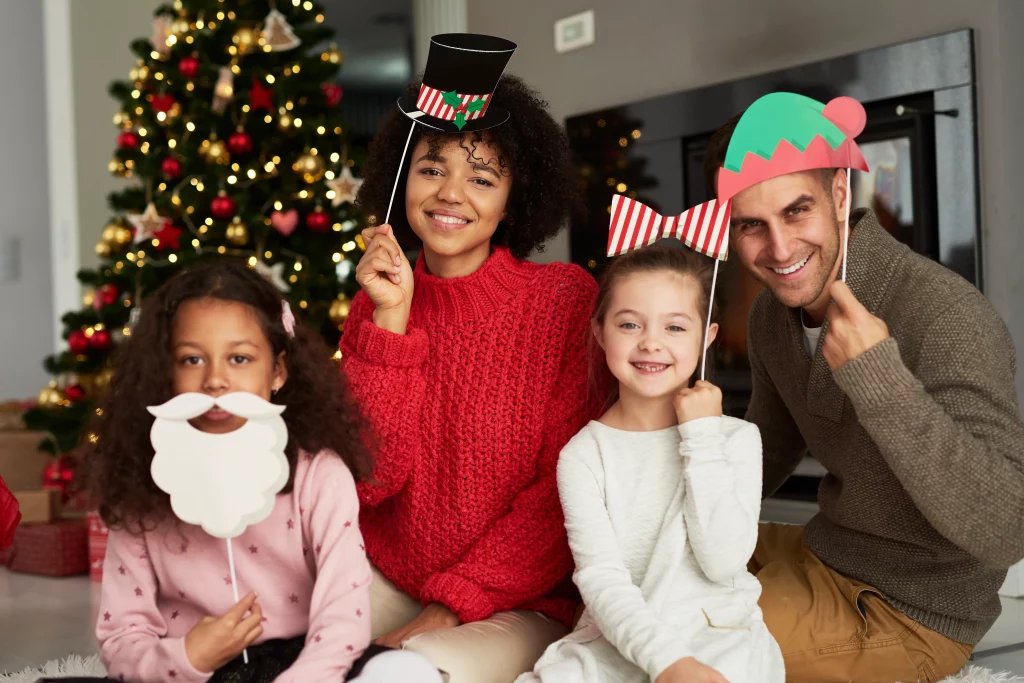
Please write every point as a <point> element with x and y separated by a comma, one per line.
<point>375,37</point>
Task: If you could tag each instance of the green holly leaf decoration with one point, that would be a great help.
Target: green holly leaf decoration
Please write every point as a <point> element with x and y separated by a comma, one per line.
<point>460,120</point>
<point>451,98</point>
<point>476,105</point>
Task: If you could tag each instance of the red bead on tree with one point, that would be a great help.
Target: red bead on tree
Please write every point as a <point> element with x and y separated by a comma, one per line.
<point>78,343</point>
<point>127,140</point>
<point>60,475</point>
<point>240,143</point>
<point>170,168</point>
<point>318,220</point>
<point>189,67</point>
<point>74,393</point>
<point>223,206</point>
<point>100,340</point>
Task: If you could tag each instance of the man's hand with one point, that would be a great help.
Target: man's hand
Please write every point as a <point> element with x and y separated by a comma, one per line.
<point>215,641</point>
<point>852,329</point>
<point>434,616</point>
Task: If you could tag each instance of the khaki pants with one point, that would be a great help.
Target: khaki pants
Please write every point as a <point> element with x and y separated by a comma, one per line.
<point>832,628</point>
<point>495,650</point>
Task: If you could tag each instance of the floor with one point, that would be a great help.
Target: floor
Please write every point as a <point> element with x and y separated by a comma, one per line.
<point>45,619</point>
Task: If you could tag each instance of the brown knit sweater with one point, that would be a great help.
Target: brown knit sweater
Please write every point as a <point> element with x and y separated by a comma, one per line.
<point>921,436</point>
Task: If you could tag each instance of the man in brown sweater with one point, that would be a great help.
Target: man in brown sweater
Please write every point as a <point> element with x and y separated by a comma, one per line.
<point>902,385</point>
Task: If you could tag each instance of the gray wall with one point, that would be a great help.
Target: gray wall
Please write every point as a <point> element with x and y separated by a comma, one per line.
<point>646,48</point>
<point>26,308</point>
<point>101,32</point>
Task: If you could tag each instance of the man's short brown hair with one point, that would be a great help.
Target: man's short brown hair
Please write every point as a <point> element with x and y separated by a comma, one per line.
<point>714,159</point>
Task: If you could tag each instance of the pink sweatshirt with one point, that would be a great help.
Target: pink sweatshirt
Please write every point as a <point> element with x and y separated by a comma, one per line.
<point>306,561</point>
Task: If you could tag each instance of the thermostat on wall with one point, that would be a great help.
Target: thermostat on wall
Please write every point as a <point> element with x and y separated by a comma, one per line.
<point>574,32</point>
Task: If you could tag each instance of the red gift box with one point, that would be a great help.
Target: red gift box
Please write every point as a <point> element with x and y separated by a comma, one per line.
<point>52,549</point>
<point>98,533</point>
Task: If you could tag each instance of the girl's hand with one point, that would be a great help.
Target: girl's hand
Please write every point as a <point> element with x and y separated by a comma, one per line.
<point>703,400</point>
<point>214,642</point>
<point>386,276</point>
<point>689,670</point>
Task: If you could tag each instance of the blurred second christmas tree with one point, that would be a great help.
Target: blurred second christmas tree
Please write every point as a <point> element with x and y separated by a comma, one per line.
<point>229,122</point>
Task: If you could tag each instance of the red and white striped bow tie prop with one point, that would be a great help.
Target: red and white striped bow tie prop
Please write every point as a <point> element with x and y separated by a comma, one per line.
<point>704,228</point>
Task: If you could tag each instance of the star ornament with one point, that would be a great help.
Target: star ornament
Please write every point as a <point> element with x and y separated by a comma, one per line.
<point>260,97</point>
<point>345,187</point>
<point>274,273</point>
<point>147,224</point>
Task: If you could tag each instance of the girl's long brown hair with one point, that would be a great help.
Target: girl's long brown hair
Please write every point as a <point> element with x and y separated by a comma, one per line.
<point>657,257</point>
<point>321,412</point>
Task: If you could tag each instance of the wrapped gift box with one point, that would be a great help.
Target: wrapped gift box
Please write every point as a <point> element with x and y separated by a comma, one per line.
<point>38,507</point>
<point>21,461</point>
<point>55,549</point>
<point>98,533</point>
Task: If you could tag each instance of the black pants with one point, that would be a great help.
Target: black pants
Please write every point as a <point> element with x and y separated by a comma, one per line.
<point>266,662</point>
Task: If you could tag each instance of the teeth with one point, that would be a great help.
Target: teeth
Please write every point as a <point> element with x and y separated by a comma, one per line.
<point>793,268</point>
<point>451,220</point>
<point>650,367</point>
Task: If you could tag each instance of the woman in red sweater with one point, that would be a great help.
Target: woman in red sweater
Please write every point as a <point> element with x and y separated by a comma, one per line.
<point>472,369</point>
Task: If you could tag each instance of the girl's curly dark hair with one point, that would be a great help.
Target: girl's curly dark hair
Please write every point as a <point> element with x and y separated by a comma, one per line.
<point>532,147</point>
<point>321,412</point>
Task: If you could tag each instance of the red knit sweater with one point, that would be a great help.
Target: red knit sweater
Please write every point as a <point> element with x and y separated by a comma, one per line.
<point>470,409</point>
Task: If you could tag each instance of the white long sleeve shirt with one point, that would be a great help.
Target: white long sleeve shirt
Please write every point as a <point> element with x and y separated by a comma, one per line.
<point>661,526</point>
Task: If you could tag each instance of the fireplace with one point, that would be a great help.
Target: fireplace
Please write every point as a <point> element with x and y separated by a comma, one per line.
<point>920,143</point>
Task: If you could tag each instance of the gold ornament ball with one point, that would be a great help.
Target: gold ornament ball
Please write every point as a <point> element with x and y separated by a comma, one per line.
<point>122,236</point>
<point>88,298</point>
<point>215,151</point>
<point>237,233</point>
<point>244,40</point>
<point>50,396</point>
<point>339,310</point>
<point>310,167</point>
<point>103,249</point>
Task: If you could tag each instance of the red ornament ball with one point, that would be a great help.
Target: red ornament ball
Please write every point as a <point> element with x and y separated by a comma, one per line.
<point>189,67</point>
<point>223,207</point>
<point>171,168</point>
<point>318,221</point>
<point>162,102</point>
<point>60,475</point>
<point>333,93</point>
<point>240,142</point>
<point>127,140</point>
<point>107,294</point>
<point>74,393</point>
<point>100,340</point>
<point>78,343</point>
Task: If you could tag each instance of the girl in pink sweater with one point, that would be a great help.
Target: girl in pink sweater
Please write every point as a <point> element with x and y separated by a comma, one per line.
<point>167,611</point>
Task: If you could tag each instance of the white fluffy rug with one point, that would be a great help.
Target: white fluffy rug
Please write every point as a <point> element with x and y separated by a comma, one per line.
<point>91,666</point>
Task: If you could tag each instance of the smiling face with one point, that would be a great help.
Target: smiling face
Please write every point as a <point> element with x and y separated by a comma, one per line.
<point>219,347</point>
<point>787,234</point>
<point>651,334</point>
<point>454,200</point>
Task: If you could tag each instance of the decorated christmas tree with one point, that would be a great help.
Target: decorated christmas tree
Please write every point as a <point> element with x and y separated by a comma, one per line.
<point>230,125</point>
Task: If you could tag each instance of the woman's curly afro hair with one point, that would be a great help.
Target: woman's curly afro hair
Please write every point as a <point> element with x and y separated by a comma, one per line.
<point>532,148</point>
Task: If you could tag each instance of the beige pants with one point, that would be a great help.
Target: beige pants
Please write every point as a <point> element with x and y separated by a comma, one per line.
<point>495,650</point>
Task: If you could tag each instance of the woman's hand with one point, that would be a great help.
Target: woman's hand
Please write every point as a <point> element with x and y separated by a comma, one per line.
<point>434,616</point>
<point>703,400</point>
<point>215,641</point>
<point>689,670</point>
<point>386,276</point>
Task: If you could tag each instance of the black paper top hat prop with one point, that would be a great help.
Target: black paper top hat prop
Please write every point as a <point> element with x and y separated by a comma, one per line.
<point>462,71</point>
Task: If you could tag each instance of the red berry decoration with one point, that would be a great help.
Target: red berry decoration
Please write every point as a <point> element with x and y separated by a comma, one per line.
<point>100,340</point>
<point>189,67</point>
<point>333,93</point>
<point>78,342</point>
<point>108,294</point>
<point>240,142</point>
<point>74,393</point>
<point>318,220</point>
<point>162,102</point>
<point>171,168</point>
<point>223,206</point>
<point>127,140</point>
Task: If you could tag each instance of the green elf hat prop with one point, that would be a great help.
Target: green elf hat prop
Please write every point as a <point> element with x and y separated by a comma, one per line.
<point>462,71</point>
<point>780,133</point>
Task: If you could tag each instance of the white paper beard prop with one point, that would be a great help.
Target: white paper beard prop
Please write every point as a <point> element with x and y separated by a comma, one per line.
<point>221,482</point>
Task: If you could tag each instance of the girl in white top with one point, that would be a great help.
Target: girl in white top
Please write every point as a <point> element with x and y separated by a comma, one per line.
<point>661,499</point>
